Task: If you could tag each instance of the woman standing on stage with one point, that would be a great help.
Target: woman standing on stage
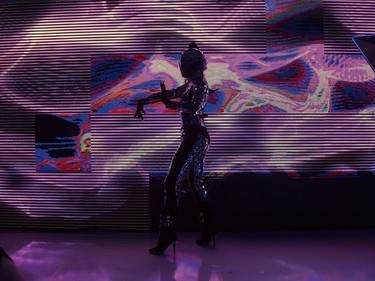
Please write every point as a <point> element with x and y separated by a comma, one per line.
<point>188,160</point>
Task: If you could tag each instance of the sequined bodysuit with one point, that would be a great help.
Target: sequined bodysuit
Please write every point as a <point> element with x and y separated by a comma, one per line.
<point>193,98</point>
<point>188,160</point>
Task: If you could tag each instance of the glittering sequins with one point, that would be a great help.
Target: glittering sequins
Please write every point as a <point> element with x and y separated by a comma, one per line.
<point>195,161</point>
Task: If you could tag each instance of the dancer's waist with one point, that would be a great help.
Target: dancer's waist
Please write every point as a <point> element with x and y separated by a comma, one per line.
<point>188,119</point>
<point>191,130</point>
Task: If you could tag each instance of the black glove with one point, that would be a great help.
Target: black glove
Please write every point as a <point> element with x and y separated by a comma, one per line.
<point>140,111</point>
<point>164,95</point>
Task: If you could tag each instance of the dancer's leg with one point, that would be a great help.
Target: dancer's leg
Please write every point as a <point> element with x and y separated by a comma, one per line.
<point>190,148</point>
<point>202,199</point>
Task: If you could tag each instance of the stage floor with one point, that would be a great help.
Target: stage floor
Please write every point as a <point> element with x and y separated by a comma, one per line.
<point>107,256</point>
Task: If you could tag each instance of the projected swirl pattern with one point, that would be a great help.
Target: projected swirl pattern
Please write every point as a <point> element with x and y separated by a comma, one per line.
<point>65,149</point>
<point>296,80</point>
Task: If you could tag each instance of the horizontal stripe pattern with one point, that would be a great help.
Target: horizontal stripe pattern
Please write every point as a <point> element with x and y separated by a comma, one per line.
<point>47,46</point>
<point>241,142</point>
<point>143,26</point>
<point>344,19</point>
<point>126,152</point>
<point>45,67</point>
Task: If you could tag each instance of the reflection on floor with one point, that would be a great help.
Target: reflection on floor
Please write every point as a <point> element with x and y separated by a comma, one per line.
<point>286,256</point>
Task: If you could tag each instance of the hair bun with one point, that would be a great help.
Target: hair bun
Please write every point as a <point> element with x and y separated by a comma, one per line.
<point>193,45</point>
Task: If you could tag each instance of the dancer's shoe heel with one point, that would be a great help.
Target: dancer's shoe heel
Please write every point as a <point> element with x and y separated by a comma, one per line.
<point>206,241</point>
<point>162,246</point>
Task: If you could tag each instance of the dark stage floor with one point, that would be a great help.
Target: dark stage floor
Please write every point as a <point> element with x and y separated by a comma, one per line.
<point>279,256</point>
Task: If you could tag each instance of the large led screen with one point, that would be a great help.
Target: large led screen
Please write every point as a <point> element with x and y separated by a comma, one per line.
<point>290,99</point>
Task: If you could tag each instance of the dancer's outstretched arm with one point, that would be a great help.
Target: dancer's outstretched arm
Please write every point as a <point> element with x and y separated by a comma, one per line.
<point>163,96</point>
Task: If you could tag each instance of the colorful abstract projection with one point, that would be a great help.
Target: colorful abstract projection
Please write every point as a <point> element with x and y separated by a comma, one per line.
<point>301,79</point>
<point>62,143</point>
<point>294,76</point>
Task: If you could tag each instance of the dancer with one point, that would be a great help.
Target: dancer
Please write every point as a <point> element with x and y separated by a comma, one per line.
<point>188,160</point>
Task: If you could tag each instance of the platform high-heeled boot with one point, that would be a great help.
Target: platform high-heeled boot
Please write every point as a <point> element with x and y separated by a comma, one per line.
<point>208,226</point>
<point>167,236</point>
